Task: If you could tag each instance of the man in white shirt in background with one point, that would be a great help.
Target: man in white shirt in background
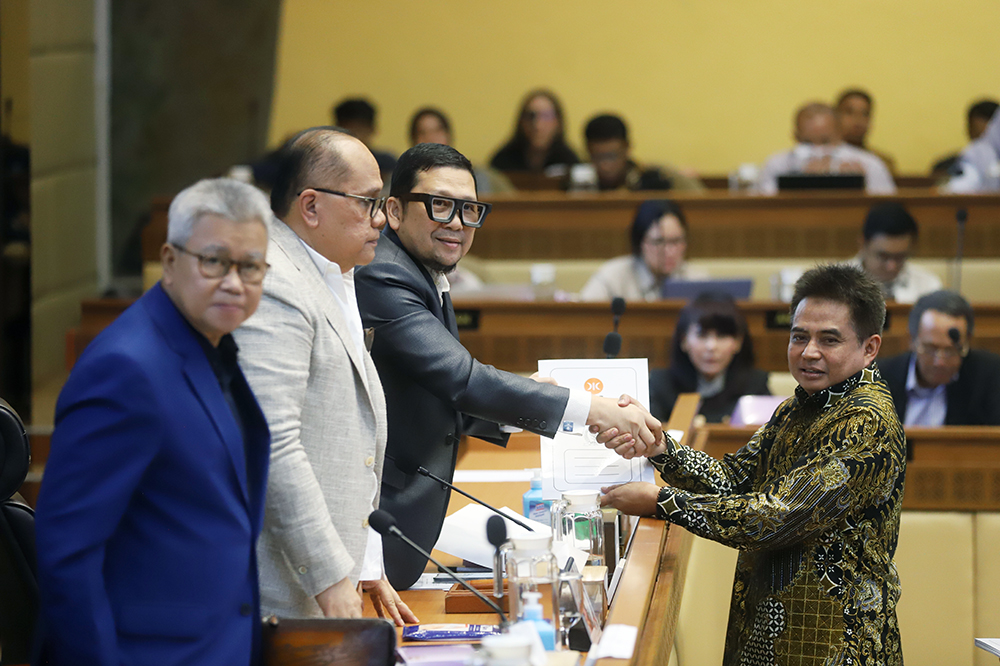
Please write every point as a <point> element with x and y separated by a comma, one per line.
<point>820,150</point>
<point>888,236</point>
<point>304,355</point>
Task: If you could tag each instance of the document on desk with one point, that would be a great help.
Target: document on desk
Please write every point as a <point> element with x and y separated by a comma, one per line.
<point>573,459</point>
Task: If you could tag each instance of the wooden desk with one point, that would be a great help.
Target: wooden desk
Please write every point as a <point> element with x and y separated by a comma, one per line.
<point>557,225</point>
<point>594,225</point>
<point>652,583</point>
<point>514,335</point>
<point>948,469</point>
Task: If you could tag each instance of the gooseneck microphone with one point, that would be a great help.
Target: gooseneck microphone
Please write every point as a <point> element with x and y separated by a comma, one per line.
<point>383,523</point>
<point>408,468</point>
<point>617,310</point>
<point>612,344</point>
<point>961,217</point>
<point>956,337</point>
<point>496,534</point>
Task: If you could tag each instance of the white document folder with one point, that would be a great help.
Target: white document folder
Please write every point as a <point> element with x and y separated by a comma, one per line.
<point>573,459</point>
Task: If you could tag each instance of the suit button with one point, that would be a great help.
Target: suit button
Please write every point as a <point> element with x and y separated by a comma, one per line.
<point>245,610</point>
<point>303,570</point>
<point>364,523</point>
<point>369,461</point>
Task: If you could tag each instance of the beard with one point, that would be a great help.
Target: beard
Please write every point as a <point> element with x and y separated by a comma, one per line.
<point>438,267</point>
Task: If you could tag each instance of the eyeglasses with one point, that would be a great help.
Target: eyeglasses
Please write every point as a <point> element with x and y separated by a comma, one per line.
<point>664,242</point>
<point>377,203</point>
<point>943,353</point>
<point>443,209</point>
<point>214,267</point>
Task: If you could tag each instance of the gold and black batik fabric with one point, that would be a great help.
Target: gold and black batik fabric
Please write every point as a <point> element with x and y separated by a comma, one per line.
<point>812,502</point>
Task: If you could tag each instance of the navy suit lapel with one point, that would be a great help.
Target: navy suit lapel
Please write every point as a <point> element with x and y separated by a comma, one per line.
<point>443,311</point>
<point>203,382</point>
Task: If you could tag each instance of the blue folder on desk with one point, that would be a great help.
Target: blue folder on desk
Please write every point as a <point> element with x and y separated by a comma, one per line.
<point>739,289</point>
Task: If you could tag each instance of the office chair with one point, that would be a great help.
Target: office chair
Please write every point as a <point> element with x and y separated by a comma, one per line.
<point>18,577</point>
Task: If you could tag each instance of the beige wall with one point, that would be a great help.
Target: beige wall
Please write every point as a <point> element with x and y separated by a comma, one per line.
<point>14,70</point>
<point>63,168</point>
<point>707,84</point>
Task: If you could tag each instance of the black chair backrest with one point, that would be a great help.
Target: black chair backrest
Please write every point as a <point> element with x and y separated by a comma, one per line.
<point>18,583</point>
<point>15,454</point>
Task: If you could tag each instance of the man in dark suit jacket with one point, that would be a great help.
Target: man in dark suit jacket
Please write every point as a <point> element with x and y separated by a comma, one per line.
<point>940,381</point>
<point>154,489</point>
<point>435,391</point>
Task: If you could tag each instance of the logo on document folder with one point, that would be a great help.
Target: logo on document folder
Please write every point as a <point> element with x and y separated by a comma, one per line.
<point>593,385</point>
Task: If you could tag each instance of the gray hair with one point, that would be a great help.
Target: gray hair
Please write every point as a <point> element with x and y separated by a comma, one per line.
<point>224,197</point>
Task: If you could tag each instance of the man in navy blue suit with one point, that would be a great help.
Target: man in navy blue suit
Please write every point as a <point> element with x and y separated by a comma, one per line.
<point>153,494</point>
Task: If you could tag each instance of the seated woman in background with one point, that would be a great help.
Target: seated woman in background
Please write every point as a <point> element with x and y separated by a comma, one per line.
<point>538,140</point>
<point>659,240</point>
<point>712,355</point>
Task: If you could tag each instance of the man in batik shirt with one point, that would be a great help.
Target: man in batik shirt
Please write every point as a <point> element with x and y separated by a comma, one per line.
<point>812,501</point>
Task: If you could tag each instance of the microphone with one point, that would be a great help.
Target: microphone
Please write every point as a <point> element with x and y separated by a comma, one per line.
<point>383,523</point>
<point>496,534</point>
<point>961,217</point>
<point>956,338</point>
<point>612,344</point>
<point>410,468</point>
<point>617,309</point>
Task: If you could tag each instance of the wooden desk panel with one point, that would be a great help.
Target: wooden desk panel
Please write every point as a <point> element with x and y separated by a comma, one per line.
<point>555,225</point>
<point>515,335</point>
<point>948,469</point>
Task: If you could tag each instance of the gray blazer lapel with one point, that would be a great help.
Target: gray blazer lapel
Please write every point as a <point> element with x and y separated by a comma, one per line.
<point>289,243</point>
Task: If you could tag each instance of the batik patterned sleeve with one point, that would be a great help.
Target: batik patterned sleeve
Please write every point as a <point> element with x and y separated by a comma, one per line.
<point>696,471</point>
<point>809,487</point>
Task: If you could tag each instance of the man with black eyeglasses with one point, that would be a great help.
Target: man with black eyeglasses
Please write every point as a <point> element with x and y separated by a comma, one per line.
<point>941,380</point>
<point>435,391</point>
<point>305,355</point>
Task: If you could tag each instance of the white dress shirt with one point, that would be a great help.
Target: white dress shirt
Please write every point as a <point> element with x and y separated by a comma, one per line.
<point>924,406</point>
<point>341,285</point>
<point>878,180</point>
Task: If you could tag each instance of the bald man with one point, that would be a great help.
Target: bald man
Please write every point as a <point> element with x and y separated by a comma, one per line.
<point>820,150</point>
<point>304,354</point>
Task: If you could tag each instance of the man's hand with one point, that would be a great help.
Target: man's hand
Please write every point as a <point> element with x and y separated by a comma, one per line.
<point>340,600</point>
<point>544,380</point>
<point>634,499</point>
<point>385,599</point>
<point>613,419</point>
<point>624,442</point>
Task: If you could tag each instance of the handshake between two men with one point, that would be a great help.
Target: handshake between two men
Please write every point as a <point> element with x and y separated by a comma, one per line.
<point>637,498</point>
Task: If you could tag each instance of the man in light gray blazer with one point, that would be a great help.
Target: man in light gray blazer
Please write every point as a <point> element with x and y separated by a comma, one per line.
<point>305,357</point>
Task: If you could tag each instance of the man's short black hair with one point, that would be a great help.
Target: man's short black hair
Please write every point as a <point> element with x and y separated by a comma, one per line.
<point>424,157</point>
<point>842,283</point>
<point>945,302</point>
<point>606,127</point>
<point>428,111</point>
<point>649,213</point>
<point>855,92</point>
<point>307,155</point>
<point>889,219</point>
<point>354,111</point>
<point>984,108</point>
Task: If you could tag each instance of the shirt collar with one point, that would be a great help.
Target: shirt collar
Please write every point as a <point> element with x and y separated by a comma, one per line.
<point>831,395</point>
<point>329,269</point>
<point>912,385</point>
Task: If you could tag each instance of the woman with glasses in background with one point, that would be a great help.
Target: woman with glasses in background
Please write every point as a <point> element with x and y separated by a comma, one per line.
<point>538,140</point>
<point>659,241</point>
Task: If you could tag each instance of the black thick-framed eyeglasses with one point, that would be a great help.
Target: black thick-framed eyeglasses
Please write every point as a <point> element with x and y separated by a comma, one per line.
<point>213,267</point>
<point>377,203</point>
<point>443,209</point>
